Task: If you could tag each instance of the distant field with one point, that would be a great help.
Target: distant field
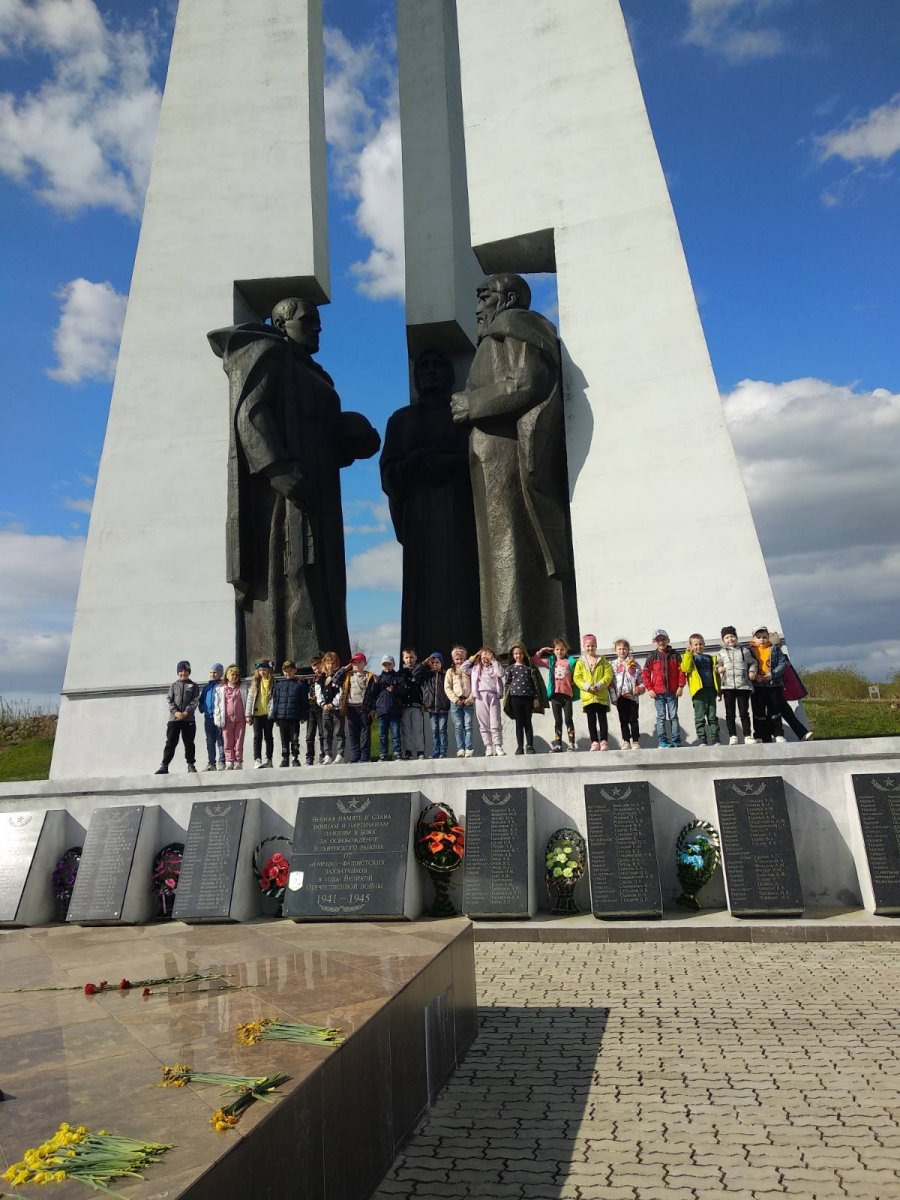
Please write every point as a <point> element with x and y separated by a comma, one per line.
<point>852,718</point>
<point>29,760</point>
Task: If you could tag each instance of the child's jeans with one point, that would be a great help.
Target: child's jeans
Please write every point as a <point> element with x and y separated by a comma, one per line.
<point>388,724</point>
<point>667,710</point>
<point>359,733</point>
<point>233,739</point>
<point>741,698</point>
<point>314,725</point>
<point>462,725</point>
<point>705,716</point>
<point>215,747</point>
<point>487,710</point>
<point>438,734</point>
<point>412,731</point>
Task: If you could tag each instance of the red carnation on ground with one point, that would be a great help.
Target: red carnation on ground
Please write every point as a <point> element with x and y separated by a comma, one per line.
<point>124,985</point>
<point>89,989</point>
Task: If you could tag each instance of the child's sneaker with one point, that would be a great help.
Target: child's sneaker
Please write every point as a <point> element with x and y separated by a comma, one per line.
<point>220,766</point>
<point>470,753</point>
<point>499,752</point>
<point>678,744</point>
<point>519,750</point>
<point>595,745</point>
<point>664,745</point>
<point>604,745</point>
<point>163,770</point>
<point>780,739</point>
<point>529,749</point>
<point>460,754</point>
<point>556,745</point>
<point>295,762</point>
<point>635,744</point>
<point>239,766</point>
<point>210,767</point>
<point>572,741</point>
<point>192,770</point>
<point>732,741</point>
<point>489,752</point>
<point>751,741</point>
<point>808,737</point>
<point>310,761</point>
<point>326,760</point>
<point>338,758</point>
<point>285,762</point>
<point>257,764</point>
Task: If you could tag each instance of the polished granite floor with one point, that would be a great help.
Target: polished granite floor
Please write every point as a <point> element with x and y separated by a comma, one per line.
<point>96,1060</point>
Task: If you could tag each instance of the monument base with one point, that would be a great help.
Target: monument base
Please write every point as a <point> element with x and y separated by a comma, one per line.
<point>403,996</point>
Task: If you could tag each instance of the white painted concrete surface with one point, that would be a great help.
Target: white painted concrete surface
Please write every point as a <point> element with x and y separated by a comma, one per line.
<point>562,169</point>
<point>817,776</point>
<point>237,193</point>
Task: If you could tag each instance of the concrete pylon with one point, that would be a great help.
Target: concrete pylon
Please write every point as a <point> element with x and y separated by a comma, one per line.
<point>563,175</point>
<point>235,219</point>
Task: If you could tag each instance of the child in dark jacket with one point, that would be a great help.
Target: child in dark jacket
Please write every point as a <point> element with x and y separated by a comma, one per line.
<point>436,703</point>
<point>768,692</point>
<point>388,691</point>
<point>664,683</point>
<point>290,708</point>
<point>412,727</point>
<point>183,698</point>
<point>314,725</point>
<point>215,747</point>
<point>328,698</point>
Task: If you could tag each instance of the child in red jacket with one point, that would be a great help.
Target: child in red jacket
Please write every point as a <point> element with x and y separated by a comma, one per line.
<point>664,683</point>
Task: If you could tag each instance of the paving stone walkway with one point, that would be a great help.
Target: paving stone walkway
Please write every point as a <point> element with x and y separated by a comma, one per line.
<point>667,1071</point>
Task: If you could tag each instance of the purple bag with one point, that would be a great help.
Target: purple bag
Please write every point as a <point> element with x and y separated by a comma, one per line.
<point>792,684</point>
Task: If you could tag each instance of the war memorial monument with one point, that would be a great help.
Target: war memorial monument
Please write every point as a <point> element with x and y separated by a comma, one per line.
<point>526,148</point>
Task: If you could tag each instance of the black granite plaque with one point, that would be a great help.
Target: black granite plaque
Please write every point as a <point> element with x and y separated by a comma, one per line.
<point>99,892</point>
<point>757,848</point>
<point>350,856</point>
<point>878,802</point>
<point>19,833</point>
<point>622,851</point>
<point>497,863</point>
<point>210,861</point>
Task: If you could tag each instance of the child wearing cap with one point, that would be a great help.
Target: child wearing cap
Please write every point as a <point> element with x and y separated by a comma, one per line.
<point>215,747</point>
<point>260,701</point>
<point>231,705</point>
<point>183,698</point>
<point>357,705</point>
<point>290,706</point>
<point>458,690</point>
<point>592,676</point>
<point>768,693</point>
<point>436,703</point>
<point>388,688</point>
<point>664,683</point>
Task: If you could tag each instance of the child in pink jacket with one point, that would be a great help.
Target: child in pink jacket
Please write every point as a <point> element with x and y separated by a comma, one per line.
<point>487,688</point>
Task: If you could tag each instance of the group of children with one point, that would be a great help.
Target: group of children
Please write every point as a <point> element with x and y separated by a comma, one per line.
<point>337,704</point>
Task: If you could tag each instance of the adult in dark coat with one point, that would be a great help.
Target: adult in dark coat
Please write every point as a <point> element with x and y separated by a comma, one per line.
<point>425,475</point>
<point>289,439</point>
<point>513,407</point>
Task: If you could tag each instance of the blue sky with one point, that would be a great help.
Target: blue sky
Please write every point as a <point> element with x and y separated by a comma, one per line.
<point>778,126</point>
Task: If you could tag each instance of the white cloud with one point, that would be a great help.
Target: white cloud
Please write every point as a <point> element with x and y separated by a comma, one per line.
<point>82,504</point>
<point>363,128</point>
<point>378,510</point>
<point>84,138</point>
<point>733,29</point>
<point>379,568</point>
<point>86,340</point>
<point>37,602</point>
<point>376,640</point>
<point>874,137</point>
<point>822,473</point>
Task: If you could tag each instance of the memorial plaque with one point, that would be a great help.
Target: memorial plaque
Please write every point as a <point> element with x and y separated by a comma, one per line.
<point>761,874</point>
<point>350,857</point>
<point>206,883</point>
<point>19,833</point>
<point>99,892</point>
<point>624,872</point>
<point>878,803</point>
<point>497,866</point>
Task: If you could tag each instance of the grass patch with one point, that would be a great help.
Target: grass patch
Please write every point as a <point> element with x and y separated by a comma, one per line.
<point>852,718</point>
<point>28,760</point>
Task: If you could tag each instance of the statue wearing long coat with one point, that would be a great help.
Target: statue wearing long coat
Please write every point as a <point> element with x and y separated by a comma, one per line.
<point>285,557</point>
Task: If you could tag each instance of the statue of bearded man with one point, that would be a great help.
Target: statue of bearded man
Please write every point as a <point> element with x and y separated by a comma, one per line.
<point>513,406</point>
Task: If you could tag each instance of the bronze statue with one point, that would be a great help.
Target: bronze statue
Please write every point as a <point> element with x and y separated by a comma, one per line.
<point>425,475</point>
<point>288,441</point>
<point>513,406</point>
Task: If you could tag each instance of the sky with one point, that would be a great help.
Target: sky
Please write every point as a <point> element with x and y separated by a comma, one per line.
<point>778,126</point>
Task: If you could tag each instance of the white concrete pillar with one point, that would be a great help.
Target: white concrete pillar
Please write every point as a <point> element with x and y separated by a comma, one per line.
<point>563,175</point>
<point>235,219</point>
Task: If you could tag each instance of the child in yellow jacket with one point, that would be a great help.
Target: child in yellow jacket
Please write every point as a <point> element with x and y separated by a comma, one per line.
<point>592,676</point>
<point>701,673</point>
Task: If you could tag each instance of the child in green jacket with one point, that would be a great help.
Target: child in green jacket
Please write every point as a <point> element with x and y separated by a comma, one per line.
<point>701,673</point>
